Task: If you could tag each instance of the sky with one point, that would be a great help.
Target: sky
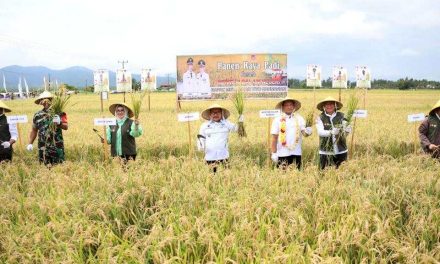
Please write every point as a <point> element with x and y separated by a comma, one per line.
<point>395,39</point>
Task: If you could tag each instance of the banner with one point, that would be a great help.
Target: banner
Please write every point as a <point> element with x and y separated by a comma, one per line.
<point>123,81</point>
<point>269,113</point>
<point>148,80</point>
<point>363,77</point>
<point>314,76</point>
<point>101,81</point>
<point>202,77</point>
<point>17,119</point>
<point>105,121</point>
<point>360,113</point>
<point>416,117</point>
<point>340,78</point>
<point>186,117</point>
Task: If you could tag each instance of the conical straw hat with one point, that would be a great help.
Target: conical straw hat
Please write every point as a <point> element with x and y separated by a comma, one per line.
<point>321,104</point>
<point>4,106</point>
<point>112,109</point>
<point>43,95</point>
<point>207,112</point>
<point>437,105</point>
<point>295,102</point>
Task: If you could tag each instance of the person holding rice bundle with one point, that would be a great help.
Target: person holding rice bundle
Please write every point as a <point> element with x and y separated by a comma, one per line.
<point>429,132</point>
<point>332,130</point>
<point>287,131</point>
<point>122,136</point>
<point>8,134</point>
<point>48,126</point>
<point>213,135</point>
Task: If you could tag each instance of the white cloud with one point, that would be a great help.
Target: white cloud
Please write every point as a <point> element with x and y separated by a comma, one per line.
<point>409,52</point>
<point>97,34</point>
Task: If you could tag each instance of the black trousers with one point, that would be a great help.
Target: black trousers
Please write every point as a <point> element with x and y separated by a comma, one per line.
<point>284,162</point>
<point>126,158</point>
<point>215,163</point>
<point>6,157</point>
<point>330,160</point>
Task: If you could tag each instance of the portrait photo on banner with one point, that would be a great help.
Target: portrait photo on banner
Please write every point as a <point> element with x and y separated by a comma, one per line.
<point>204,77</point>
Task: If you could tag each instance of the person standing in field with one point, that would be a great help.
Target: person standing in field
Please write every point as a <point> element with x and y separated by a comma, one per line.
<point>213,135</point>
<point>122,136</point>
<point>8,134</point>
<point>49,128</point>
<point>429,132</point>
<point>332,130</point>
<point>287,131</point>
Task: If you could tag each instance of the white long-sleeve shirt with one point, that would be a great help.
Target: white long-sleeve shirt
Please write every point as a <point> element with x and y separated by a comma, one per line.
<point>14,131</point>
<point>216,139</point>
<point>291,133</point>
<point>327,133</point>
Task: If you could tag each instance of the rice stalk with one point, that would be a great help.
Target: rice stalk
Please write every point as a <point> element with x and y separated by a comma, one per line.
<point>237,99</point>
<point>60,101</point>
<point>352,104</point>
<point>310,118</point>
<point>136,101</point>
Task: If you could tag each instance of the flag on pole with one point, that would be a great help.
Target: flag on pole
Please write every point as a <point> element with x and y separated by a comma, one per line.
<point>4,83</point>
<point>44,83</point>
<point>20,89</point>
<point>27,87</point>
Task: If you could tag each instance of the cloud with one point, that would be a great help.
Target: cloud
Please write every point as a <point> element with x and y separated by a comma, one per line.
<point>97,34</point>
<point>409,52</point>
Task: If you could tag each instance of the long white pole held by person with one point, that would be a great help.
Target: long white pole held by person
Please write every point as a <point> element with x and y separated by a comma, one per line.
<point>357,114</point>
<point>104,96</point>
<point>414,118</point>
<point>269,114</point>
<point>19,119</point>
<point>103,121</point>
<point>188,117</point>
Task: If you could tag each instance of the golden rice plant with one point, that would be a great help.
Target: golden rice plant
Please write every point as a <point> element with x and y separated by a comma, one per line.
<point>310,116</point>
<point>60,101</point>
<point>165,207</point>
<point>238,101</point>
<point>136,101</point>
<point>352,105</point>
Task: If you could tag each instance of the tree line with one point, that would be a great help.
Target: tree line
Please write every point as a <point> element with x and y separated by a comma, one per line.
<point>401,84</point>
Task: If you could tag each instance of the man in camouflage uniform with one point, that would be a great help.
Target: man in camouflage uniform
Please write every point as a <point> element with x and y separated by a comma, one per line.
<point>49,128</point>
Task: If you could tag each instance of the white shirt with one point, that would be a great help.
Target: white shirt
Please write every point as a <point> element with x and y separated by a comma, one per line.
<point>189,82</point>
<point>13,131</point>
<point>291,134</point>
<point>327,133</point>
<point>216,139</point>
<point>203,84</point>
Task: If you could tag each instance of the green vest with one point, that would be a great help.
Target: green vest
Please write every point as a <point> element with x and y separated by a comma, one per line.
<point>127,141</point>
<point>5,135</point>
<point>326,143</point>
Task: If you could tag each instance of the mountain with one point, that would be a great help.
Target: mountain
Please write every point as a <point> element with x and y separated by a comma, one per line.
<point>77,76</point>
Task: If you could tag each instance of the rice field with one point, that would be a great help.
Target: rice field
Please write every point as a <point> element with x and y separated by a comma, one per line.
<point>382,206</point>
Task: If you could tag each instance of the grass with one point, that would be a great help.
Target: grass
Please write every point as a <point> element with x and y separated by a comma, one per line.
<point>381,206</point>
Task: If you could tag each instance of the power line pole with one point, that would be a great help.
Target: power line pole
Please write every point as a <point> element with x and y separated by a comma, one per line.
<point>123,62</point>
